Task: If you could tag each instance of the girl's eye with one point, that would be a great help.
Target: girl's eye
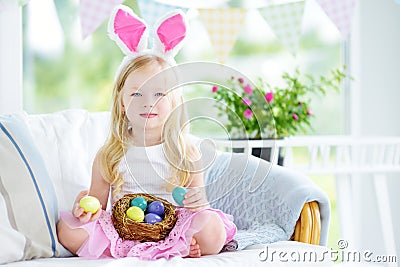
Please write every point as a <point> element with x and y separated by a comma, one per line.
<point>159,94</point>
<point>136,94</point>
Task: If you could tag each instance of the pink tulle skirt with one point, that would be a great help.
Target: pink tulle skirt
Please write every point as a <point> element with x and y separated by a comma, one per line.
<point>104,241</point>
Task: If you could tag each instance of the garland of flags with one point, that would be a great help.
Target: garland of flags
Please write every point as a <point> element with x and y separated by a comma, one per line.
<point>223,24</point>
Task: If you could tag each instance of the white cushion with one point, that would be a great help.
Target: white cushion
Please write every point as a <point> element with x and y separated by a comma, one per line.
<point>68,141</point>
<point>248,257</point>
<point>45,161</point>
<point>28,204</point>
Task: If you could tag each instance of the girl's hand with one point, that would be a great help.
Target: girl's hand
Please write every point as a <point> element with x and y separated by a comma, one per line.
<point>196,199</point>
<point>79,213</point>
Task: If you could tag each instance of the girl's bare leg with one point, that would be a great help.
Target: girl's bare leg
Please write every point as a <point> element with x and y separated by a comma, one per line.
<point>211,238</point>
<point>71,239</point>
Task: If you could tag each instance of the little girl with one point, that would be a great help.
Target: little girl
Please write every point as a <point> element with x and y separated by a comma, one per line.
<point>148,151</point>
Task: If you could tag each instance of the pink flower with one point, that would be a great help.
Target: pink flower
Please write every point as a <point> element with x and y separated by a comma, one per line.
<point>246,101</point>
<point>241,80</point>
<point>269,97</point>
<point>295,117</point>
<point>248,114</point>
<point>248,90</point>
<point>214,89</point>
<point>309,112</point>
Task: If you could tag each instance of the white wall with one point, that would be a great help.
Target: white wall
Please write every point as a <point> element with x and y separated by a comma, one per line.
<point>11,59</point>
<point>375,66</point>
<point>376,47</point>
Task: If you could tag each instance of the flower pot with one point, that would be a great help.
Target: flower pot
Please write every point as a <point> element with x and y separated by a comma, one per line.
<point>264,153</point>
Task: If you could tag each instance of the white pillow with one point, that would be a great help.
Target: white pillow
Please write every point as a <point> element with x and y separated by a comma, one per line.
<point>68,141</point>
<point>28,203</point>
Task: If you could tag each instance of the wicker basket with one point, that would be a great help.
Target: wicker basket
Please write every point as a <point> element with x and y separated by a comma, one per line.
<point>143,232</point>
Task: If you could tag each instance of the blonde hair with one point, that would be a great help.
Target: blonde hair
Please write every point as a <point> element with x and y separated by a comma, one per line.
<point>179,152</point>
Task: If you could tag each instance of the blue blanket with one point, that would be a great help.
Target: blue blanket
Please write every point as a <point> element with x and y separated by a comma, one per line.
<point>265,199</point>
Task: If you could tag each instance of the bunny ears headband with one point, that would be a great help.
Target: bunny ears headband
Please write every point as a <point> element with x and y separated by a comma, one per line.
<point>131,34</point>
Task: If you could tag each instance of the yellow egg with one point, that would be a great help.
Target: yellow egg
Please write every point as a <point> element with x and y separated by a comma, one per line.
<point>89,204</point>
<point>135,213</point>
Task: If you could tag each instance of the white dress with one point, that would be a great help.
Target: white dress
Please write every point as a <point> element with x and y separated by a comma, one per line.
<point>145,170</point>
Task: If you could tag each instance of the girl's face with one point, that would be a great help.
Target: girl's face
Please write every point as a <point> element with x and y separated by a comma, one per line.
<point>144,100</point>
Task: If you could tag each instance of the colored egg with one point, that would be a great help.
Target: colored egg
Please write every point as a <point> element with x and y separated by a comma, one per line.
<point>139,202</point>
<point>156,207</point>
<point>135,213</point>
<point>179,194</point>
<point>89,204</point>
<point>152,218</point>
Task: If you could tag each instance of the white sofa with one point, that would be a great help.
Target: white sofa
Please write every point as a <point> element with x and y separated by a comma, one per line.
<point>45,160</point>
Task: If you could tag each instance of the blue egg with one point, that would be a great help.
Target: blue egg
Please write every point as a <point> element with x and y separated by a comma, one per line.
<point>156,207</point>
<point>179,194</point>
<point>152,218</point>
<point>139,202</point>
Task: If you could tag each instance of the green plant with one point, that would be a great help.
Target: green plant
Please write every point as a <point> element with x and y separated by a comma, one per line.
<point>263,111</point>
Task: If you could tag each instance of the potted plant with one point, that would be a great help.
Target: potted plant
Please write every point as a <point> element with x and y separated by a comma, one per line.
<point>262,111</point>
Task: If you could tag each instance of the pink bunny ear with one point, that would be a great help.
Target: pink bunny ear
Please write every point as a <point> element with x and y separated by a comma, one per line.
<point>127,30</point>
<point>170,32</point>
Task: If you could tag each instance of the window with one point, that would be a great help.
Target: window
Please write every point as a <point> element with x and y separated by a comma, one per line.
<point>63,71</point>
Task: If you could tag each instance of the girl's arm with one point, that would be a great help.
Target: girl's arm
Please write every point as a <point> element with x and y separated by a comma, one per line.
<point>99,188</point>
<point>196,198</point>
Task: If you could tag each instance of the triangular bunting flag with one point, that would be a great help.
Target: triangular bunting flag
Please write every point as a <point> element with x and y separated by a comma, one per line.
<point>285,20</point>
<point>93,13</point>
<point>223,27</point>
<point>340,12</point>
<point>151,11</point>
